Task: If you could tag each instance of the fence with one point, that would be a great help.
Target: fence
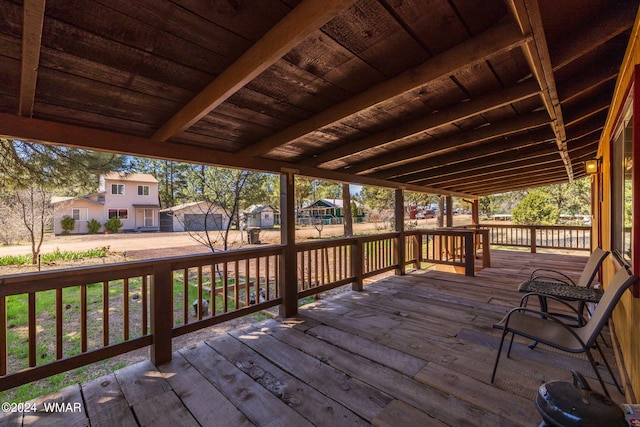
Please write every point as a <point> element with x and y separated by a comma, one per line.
<point>539,236</point>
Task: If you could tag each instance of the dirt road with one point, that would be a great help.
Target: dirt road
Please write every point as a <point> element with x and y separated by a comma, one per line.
<point>183,242</point>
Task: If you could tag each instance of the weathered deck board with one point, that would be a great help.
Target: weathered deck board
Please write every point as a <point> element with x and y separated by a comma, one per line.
<point>410,350</point>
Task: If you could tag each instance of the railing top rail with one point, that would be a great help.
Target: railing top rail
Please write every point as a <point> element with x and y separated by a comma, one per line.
<point>560,227</point>
<point>54,279</point>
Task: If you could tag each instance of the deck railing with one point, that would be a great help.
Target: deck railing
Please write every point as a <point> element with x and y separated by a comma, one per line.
<point>55,321</point>
<point>540,236</point>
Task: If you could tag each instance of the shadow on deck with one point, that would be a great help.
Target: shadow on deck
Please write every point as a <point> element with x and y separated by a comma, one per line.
<point>410,350</point>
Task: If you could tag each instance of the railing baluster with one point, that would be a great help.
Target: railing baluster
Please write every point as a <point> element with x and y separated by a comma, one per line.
<point>32,328</point>
<point>145,313</point>
<point>185,297</point>
<point>59,342</point>
<point>105,313</point>
<point>83,318</point>
<point>3,336</point>
<point>125,308</point>
<point>199,298</point>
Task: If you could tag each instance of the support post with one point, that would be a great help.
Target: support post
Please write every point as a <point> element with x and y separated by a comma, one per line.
<point>399,228</point>
<point>288,277</point>
<point>449,209</point>
<point>357,263</point>
<point>475,212</point>
<point>532,239</point>
<point>347,219</point>
<point>440,217</point>
<point>161,313</point>
<point>469,254</point>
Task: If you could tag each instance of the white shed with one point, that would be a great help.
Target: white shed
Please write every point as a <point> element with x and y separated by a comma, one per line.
<point>263,216</point>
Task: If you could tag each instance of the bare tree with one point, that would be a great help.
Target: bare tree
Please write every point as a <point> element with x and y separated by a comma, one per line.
<point>32,207</point>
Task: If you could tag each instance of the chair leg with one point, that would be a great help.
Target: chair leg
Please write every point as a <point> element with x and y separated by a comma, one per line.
<point>495,365</point>
<point>595,369</point>
<point>613,377</point>
<point>511,344</point>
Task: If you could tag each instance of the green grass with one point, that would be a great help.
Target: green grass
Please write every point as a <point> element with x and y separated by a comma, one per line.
<point>56,255</point>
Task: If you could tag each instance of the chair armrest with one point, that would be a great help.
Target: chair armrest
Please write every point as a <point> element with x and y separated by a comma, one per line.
<point>533,275</point>
<point>547,316</point>
<point>551,279</point>
<point>525,298</point>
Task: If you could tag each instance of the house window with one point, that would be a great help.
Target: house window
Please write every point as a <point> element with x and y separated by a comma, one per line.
<point>117,188</point>
<point>622,188</point>
<point>80,214</point>
<point>119,213</point>
<point>143,190</point>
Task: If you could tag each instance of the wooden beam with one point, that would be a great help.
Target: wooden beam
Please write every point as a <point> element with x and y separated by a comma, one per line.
<point>432,121</point>
<point>463,173</point>
<point>33,19</point>
<point>288,260</point>
<point>307,17</point>
<point>491,148</point>
<point>533,180</point>
<point>47,132</point>
<point>347,219</point>
<point>582,83</point>
<point>586,111</point>
<point>478,49</point>
<point>613,22</point>
<point>527,14</point>
<point>395,161</point>
<point>496,160</point>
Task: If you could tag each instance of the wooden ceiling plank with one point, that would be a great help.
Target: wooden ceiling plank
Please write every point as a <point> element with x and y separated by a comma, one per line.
<point>306,18</point>
<point>586,111</point>
<point>491,160</point>
<point>491,42</point>
<point>33,20</point>
<point>445,159</point>
<point>48,132</point>
<point>614,21</point>
<point>398,160</point>
<point>527,14</point>
<point>585,82</point>
<point>446,116</point>
<point>527,182</point>
<point>484,176</point>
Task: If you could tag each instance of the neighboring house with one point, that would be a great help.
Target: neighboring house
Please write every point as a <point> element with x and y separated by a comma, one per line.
<point>263,216</point>
<point>331,210</point>
<point>194,216</point>
<point>133,198</point>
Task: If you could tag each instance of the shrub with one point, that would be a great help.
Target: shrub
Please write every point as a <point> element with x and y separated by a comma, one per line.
<point>68,224</point>
<point>113,225</point>
<point>535,209</point>
<point>93,226</point>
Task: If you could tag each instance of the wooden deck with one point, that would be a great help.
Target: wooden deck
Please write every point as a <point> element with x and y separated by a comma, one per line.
<point>415,350</point>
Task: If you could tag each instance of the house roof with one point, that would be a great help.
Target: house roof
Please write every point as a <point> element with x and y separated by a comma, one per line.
<point>256,209</point>
<point>444,96</point>
<point>64,199</point>
<point>328,203</point>
<point>135,177</point>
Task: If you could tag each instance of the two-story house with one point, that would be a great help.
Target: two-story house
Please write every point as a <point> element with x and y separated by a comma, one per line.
<point>133,198</point>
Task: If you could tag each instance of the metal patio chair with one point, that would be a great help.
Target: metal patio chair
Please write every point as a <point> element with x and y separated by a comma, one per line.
<point>548,329</point>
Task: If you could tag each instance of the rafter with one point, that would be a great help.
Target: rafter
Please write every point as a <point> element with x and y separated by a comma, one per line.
<point>48,132</point>
<point>499,145</point>
<point>33,20</point>
<point>307,17</point>
<point>402,159</point>
<point>614,22</point>
<point>443,117</point>
<point>528,16</point>
<point>493,41</point>
<point>494,160</point>
<point>584,82</point>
